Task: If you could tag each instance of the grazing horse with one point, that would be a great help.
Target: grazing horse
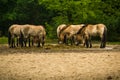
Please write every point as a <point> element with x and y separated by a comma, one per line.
<point>93,30</point>
<point>59,28</point>
<point>69,32</point>
<point>14,32</point>
<point>34,32</point>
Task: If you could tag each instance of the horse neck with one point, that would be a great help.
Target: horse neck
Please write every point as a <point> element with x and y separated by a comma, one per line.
<point>81,30</point>
<point>64,28</point>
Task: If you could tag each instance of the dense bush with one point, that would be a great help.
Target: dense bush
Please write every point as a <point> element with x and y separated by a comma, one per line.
<point>52,13</point>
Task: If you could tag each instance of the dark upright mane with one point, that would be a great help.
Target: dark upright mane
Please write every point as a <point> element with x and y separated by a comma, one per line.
<point>64,28</point>
<point>80,30</point>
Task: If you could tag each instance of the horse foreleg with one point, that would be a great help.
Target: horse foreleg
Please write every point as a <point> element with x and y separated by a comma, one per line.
<point>102,43</point>
<point>25,42</point>
<point>18,42</point>
<point>86,42</point>
<point>90,43</point>
<point>38,43</point>
<point>72,40</point>
<point>21,42</point>
<point>29,42</point>
<point>43,41</point>
<point>13,43</point>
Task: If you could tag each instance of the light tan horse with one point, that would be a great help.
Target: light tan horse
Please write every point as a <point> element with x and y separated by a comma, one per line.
<point>34,32</point>
<point>59,28</point>
<point>14,32</point>
<point>93,30</point>
<point>69,32</point>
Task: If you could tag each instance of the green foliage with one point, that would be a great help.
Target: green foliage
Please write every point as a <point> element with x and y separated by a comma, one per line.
<point>52,13</point>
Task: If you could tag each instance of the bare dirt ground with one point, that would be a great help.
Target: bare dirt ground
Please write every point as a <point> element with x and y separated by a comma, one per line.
<point>60,62</point>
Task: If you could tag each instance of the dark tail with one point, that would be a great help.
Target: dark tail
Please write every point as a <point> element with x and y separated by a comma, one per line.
<point>9,38</point>
<point>104,37</point>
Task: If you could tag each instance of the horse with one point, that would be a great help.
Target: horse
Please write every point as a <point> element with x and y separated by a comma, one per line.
<point>59,28</point>
<point>35,32</point>
<point>14,32</point>
<point>93,30</point>
<point>69,32</point>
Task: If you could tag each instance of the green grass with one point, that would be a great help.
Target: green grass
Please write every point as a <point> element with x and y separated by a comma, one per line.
<point>3,40</point>
<point>114,43</point>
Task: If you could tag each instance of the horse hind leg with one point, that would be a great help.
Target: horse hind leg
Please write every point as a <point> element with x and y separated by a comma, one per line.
<point>90,43</point>
<point>86,43</point>
<point>72,40</point>
<point>18,42</point>
<point>38,43</point>
<point>104,38</point>
<point>43,42</point>
<point>102,43</point>
<point>13,43</point>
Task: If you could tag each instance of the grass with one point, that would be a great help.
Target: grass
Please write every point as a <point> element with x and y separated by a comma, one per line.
<point>4,40</point>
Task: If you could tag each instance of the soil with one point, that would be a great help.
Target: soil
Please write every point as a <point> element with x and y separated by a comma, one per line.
<point>60,62</point>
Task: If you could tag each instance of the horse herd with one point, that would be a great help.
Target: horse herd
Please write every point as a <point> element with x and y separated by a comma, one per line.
<point>75,34</point>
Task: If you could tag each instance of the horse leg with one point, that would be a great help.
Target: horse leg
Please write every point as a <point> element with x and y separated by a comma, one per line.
<point>29,41</point>
<point>21,41</point>
<point>86,42</point>
<point>90,42</point>
<point>101,45</point>
<point>78,42</point>
<point>39,43</point>
<point>102,42</point>
<point>65,40</point>
<point>25,42</point>
<point>32,42</point>
<point>18,42</point>
<point>43,42</point>
<point>13,43</point>
<point>83,43</point>
<point>71,40</point>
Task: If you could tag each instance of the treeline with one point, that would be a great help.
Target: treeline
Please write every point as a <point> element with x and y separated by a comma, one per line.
<point>52,13</point>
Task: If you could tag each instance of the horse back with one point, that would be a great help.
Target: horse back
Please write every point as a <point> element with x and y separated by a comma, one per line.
<point>95,29</point>
<point>15,29</point>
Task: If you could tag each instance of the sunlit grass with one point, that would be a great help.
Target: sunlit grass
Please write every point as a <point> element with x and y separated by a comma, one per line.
<point>3,40</point>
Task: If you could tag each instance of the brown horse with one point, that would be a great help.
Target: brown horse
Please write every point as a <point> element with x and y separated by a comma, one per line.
<point>34,32</point>
<point>69,32</point>
<point>93,30</point>
<point>59,29</point>
<point>14,32</point>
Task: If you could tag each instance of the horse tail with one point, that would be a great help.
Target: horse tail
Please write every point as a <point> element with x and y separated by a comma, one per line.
<point>9,38</point>
<point>105,36</point>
